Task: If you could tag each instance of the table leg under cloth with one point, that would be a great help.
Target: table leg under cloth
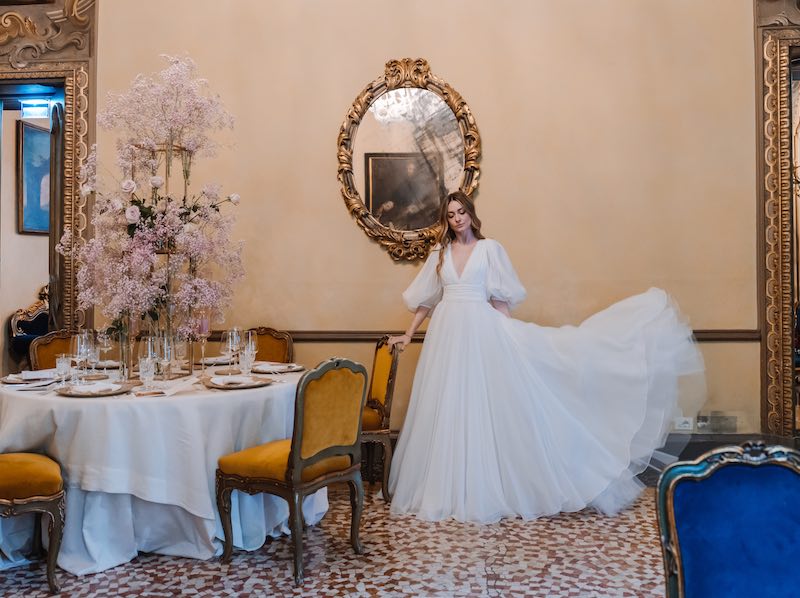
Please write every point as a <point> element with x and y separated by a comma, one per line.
<point>105,530</point>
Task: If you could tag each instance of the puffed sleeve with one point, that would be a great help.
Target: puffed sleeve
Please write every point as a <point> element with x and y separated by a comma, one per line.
<point>503,283</point>
<point>426,289</point>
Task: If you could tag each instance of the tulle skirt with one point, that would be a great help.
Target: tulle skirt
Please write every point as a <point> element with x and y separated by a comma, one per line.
<point>509,419</point>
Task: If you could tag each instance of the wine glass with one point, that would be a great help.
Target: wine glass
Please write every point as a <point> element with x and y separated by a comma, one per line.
<point>250,342</point>
<point>80,349</point>
<point>164,350</point>
<point>203,331</point>
<point>180,350</point>
<point>103,341</point>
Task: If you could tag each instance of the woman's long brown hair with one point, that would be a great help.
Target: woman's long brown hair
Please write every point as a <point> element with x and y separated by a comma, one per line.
<point>446,236</point>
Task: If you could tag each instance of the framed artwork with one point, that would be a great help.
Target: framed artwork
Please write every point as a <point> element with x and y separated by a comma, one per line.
<point>403,190</point>
<point>33,179</point>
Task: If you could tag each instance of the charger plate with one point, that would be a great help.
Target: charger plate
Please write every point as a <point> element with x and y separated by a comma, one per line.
<point>256,383</point>
<point>278,368</point>
<point>76,392</point>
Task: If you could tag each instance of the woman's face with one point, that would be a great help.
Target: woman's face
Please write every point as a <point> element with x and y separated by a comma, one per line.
<point>457,217</point>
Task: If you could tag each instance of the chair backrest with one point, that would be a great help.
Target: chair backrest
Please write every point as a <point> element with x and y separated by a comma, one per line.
<point>384,372</point>
<point>43,349</point>
<point>728,522</point>
<point>32,319</point>
<point>274,345</point>
<point>327,414</point>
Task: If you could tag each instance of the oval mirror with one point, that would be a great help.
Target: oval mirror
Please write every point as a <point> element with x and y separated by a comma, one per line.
<point>416,142</point>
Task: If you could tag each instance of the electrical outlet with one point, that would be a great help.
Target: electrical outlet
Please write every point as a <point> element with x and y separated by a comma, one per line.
<point>683,423</point>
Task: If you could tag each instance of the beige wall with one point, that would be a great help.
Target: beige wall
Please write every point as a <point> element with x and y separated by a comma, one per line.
<point>618,142</point>
<point>23,258</point>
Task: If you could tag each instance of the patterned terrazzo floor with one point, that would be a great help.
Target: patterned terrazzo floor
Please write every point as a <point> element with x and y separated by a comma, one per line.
<point>581,554</point>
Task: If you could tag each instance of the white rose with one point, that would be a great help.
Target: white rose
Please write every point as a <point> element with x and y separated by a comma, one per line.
<point>117,204</point>
<point>86,189</point>
<point>128,186</point>
<point>132,214</point>
<point>156,182</point>
<point>234,197</point>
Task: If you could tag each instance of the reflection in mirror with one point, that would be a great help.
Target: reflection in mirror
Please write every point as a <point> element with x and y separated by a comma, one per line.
<point>409,153</point>
<point>407,141</point>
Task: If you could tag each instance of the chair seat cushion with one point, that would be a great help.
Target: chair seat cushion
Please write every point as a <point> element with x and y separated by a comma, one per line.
<point>270,461</point>
<point>23,475</point>
<point>371,419</point>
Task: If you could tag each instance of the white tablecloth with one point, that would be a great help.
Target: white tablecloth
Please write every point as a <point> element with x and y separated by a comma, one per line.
<point>139,471</point>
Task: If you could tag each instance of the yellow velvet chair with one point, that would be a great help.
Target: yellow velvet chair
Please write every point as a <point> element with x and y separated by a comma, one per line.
<point>31,483</point>
<point>274,345</point>
<point>378,411</point>
<point>43,349</point>
<point>325,447</point>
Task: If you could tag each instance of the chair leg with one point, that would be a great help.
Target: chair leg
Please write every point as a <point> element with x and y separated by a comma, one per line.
<point>387,464</point>
<point>36,545</point>
<point>296,525</point>
<point>224,509</point>
<point>55,530</point>
<point>357,505</point>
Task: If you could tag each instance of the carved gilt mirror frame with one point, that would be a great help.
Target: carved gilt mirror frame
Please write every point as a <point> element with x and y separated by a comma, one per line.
<point>52,41</point>
<point>405,73</point>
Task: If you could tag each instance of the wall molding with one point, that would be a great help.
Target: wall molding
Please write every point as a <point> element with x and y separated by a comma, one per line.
<point>722,335</point>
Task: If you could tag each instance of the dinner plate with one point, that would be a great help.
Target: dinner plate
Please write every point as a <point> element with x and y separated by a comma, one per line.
<point>13,379</point>
<point>235,382</point>
<point>98,389</point>
<point>277,368</point>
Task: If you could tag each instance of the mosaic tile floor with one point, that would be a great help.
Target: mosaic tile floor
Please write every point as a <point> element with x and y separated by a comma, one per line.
<point>581,554</point>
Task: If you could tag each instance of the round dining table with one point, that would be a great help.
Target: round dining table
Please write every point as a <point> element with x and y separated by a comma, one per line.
<point>139,470</point>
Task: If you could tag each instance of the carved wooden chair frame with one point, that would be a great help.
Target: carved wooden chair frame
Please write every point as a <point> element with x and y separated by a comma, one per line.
<point>45,340</point>
<point>293,489</point>
<point>384,435</point>
<point>53,506</point>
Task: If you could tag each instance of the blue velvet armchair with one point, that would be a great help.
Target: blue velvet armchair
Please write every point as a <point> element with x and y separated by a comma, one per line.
<point>729,523</point>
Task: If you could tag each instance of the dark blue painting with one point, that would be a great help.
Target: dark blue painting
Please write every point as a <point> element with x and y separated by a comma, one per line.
<point>33,178</point>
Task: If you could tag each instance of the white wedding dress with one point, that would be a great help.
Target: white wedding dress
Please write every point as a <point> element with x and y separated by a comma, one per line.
<point>508,418</point>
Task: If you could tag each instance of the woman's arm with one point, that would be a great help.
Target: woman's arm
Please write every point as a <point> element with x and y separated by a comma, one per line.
<point>501,306</point>
<point>419,316</point>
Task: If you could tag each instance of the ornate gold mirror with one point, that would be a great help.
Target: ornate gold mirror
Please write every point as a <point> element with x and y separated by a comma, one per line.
<point>417,141</point>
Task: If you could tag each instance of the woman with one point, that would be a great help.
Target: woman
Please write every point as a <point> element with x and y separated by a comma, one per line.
<point>508,418</point>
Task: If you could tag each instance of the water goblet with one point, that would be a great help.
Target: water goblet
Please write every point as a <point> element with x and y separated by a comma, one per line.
<point>103,341</point>
<point>246,359</point>
<point>250,342</point>
<point>80,351</point>
<point>63,368</point>
<point>165,355</point>
<point>147,371</point>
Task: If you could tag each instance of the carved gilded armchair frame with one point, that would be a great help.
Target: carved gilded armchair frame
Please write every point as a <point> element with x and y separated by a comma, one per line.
<point>52,42</point>
<point>408,72</point>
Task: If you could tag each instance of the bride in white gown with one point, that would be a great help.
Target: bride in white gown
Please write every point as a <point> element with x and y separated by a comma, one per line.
<point>508,418</point>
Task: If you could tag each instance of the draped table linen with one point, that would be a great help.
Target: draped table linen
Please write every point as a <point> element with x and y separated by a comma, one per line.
<point>139,471</point>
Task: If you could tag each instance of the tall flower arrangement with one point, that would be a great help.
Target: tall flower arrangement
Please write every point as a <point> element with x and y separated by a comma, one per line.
<point>158,254</point>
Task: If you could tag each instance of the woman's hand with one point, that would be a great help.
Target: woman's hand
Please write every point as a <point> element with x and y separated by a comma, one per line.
<point>401,341</point>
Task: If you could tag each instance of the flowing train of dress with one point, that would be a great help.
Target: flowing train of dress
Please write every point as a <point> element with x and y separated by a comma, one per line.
<point>509,418</point>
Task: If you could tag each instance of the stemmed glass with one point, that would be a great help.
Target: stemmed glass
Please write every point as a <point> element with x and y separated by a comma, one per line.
<point>103,342</point>
<point>63,368</point>
<point>249,350</point>
<point>80,350</point>
<point>147,371</point>
<point>203,331</point>
<point>230,346</point>
<point>165,354</point>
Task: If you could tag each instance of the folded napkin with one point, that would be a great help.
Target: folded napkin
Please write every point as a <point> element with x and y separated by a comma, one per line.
<point>231,380</point>
<point>108,364</point>
<point>95,388</point>
<point>272,367</point>
<point>38,374</point>
<point>35,384</point>
<point>12,378</point>
<point>217,360</point>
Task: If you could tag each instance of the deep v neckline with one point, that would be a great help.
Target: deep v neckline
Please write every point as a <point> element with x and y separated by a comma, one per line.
<point>466,263</point>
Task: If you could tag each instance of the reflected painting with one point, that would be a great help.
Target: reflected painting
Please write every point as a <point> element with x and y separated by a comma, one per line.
<point>33,179</point>
<point>403,190</point>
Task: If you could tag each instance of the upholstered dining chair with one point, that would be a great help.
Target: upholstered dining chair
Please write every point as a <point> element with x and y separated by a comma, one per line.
<point>44,349</point>
<point>31,483</point>
<point>325,447</point>
<point>274,345</point>
<point>378,410</point>
<point>729,522</point>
